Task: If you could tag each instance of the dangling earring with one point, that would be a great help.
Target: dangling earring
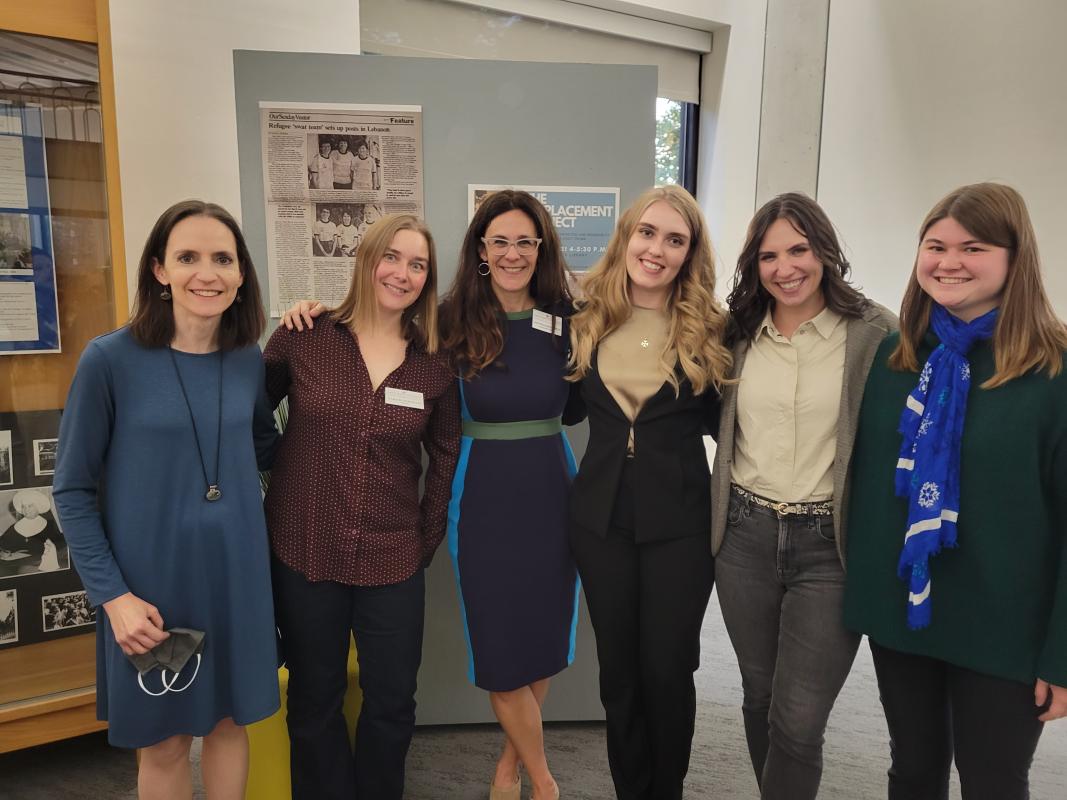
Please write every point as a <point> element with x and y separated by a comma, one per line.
<point>483,266</point>
<point>239,297</point>
<point>165,294</point>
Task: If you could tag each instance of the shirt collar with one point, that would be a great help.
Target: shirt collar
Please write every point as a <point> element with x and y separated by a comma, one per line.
<point>825,323</point>
<point>766,325</point>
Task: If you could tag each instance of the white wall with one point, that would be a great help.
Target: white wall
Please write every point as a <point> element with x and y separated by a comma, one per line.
<point>923,97</point>
<point>174,96</point>
<point>729,110</point>
<point>175,99</point>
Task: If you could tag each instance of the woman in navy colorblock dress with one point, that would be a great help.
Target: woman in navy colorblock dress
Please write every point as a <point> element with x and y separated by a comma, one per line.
<point>182,541</point>
<point>505,323</point>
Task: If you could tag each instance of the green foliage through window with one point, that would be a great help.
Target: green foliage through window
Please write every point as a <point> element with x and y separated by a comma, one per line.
<point>668,141</point>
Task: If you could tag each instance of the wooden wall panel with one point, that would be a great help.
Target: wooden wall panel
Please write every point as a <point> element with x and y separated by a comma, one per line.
<point>63,19</point>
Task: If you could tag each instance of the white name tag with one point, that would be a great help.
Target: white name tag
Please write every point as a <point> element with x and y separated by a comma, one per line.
<point>548,323</point>
<point>405,398</point>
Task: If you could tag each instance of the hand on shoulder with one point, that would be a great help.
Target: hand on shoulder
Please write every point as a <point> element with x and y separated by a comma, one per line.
<point>304,312</point>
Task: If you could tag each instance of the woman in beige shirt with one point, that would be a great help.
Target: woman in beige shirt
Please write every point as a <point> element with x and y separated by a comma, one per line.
<point>803,340</point>
<point>648,348</point>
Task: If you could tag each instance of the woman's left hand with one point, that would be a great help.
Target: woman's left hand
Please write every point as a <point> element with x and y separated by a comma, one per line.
<point>1058,706</point>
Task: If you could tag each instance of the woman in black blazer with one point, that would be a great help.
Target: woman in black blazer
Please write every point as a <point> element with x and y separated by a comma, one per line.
<point>648,348</point>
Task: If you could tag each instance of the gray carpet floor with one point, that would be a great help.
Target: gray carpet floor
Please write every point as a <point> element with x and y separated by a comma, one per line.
<point>457,762</point>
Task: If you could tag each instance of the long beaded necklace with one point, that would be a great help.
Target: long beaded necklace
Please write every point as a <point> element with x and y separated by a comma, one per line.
<point>213,492</point>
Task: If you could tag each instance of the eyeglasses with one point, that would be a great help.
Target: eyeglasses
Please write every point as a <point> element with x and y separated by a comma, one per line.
<point>498,245</point>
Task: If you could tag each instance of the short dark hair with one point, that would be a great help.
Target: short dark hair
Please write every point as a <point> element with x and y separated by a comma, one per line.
<point>748,301</point>
<point>152,323</point>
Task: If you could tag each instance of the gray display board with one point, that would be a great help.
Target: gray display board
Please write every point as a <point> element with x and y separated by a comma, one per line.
<point>496,122</point>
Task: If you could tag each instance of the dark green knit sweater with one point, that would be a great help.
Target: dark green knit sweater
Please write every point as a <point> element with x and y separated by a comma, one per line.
<point>999,598</point>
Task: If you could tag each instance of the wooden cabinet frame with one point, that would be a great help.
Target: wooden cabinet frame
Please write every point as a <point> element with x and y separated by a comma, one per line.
<point>61,674</point>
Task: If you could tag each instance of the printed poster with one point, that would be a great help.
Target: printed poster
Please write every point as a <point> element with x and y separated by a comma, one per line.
<point>585,217</point>
<point>29,313</point>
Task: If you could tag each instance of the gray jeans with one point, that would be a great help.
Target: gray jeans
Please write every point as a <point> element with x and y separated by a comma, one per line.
<point>781,588</point>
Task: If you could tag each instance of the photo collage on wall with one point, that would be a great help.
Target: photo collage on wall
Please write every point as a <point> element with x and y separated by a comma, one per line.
<point>41,596</point>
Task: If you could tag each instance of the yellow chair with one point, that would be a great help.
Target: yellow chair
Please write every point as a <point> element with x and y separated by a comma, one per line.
<point>268,740</point>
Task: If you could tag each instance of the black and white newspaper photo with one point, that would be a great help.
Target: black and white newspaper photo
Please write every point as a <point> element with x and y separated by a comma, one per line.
<point>31,541</point>
<point>69,610</point>
<point>44,456</point>
<point>9,616</point>
<point>7,466</point>
<point>329,172</point>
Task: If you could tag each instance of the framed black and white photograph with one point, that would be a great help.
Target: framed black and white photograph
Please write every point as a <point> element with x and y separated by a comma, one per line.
<point>9,616</point>
<point>44,456</point>
<point>69,610</point>
<point>7,463</point>
<point>31,541</point>
<point>15,251</point>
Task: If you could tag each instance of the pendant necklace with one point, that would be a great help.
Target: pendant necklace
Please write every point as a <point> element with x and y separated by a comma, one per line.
<point>213,492</point>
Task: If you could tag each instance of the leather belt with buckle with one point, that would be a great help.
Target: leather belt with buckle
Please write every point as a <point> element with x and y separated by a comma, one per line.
<point>821,508</point>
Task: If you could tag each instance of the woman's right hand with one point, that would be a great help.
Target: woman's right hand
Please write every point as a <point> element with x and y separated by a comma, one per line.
<point>137,625</point>
<point>303,312</point>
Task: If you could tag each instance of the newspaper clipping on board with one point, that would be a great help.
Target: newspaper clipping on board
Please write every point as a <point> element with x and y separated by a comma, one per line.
<point>329,173</point>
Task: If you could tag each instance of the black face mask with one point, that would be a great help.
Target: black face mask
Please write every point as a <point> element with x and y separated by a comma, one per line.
<point>172,654</point>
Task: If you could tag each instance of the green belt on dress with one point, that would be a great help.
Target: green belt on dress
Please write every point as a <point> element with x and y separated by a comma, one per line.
<point>525,429</point>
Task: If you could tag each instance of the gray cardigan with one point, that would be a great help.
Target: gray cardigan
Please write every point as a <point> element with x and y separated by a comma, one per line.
<point>862,338</point>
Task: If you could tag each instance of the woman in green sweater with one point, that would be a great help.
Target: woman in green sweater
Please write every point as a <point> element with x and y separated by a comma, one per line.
<point>958,554</point>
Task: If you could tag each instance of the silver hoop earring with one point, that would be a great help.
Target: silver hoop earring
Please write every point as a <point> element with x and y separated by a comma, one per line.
<point>484,265</point>
<point>165,294</point>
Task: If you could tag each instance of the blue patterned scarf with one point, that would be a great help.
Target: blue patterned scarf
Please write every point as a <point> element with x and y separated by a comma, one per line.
<point>928,470</point>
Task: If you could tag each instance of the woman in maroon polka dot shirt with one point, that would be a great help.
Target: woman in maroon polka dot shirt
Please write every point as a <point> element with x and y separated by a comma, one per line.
<point>350,537</point>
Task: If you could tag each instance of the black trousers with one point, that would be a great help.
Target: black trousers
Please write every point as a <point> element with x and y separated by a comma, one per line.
<point>937,711</point>
<point>315,620</point>
<point>646,603</point>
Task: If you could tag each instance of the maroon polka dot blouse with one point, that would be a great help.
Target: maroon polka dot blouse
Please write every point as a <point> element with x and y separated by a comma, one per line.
<point>343,503</point>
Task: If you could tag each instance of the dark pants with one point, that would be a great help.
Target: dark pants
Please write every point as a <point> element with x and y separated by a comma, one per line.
<point>646,603</point>
<point>315,620</point>
<point>781,589</point>
<point>936,711</point>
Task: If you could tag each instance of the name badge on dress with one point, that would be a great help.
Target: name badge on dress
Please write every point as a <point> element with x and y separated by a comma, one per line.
<point>548,323</point>
<point>404,397</point>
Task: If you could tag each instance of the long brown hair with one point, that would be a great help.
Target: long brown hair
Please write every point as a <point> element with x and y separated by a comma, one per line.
<point>418,323</point>
<point>698,322</point>
<point>1029,336</point>
<point>471,314</point>
<point>152,321</point>
<point>749,300</point>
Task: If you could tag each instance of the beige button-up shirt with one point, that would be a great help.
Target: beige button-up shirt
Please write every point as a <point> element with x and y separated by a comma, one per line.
<point>787,408</point>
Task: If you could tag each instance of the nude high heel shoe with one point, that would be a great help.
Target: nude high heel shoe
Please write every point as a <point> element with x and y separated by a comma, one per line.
<point>513,792</point>
<point>555,796</point>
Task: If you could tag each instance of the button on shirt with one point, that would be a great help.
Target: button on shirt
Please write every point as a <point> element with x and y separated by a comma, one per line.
<point>343,503</point>
<point>787,408</point>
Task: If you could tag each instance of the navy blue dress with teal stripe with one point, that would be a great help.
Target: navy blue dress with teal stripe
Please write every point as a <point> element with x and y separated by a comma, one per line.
<point>507,520</point>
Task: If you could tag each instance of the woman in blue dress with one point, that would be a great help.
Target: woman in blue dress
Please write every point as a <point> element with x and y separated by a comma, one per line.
<point>165,426</point>
<point>506,325</point>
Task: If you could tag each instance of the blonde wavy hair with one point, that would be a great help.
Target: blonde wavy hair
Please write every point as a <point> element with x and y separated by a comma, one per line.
<point>1028,336</point>
<point>698,321</point>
